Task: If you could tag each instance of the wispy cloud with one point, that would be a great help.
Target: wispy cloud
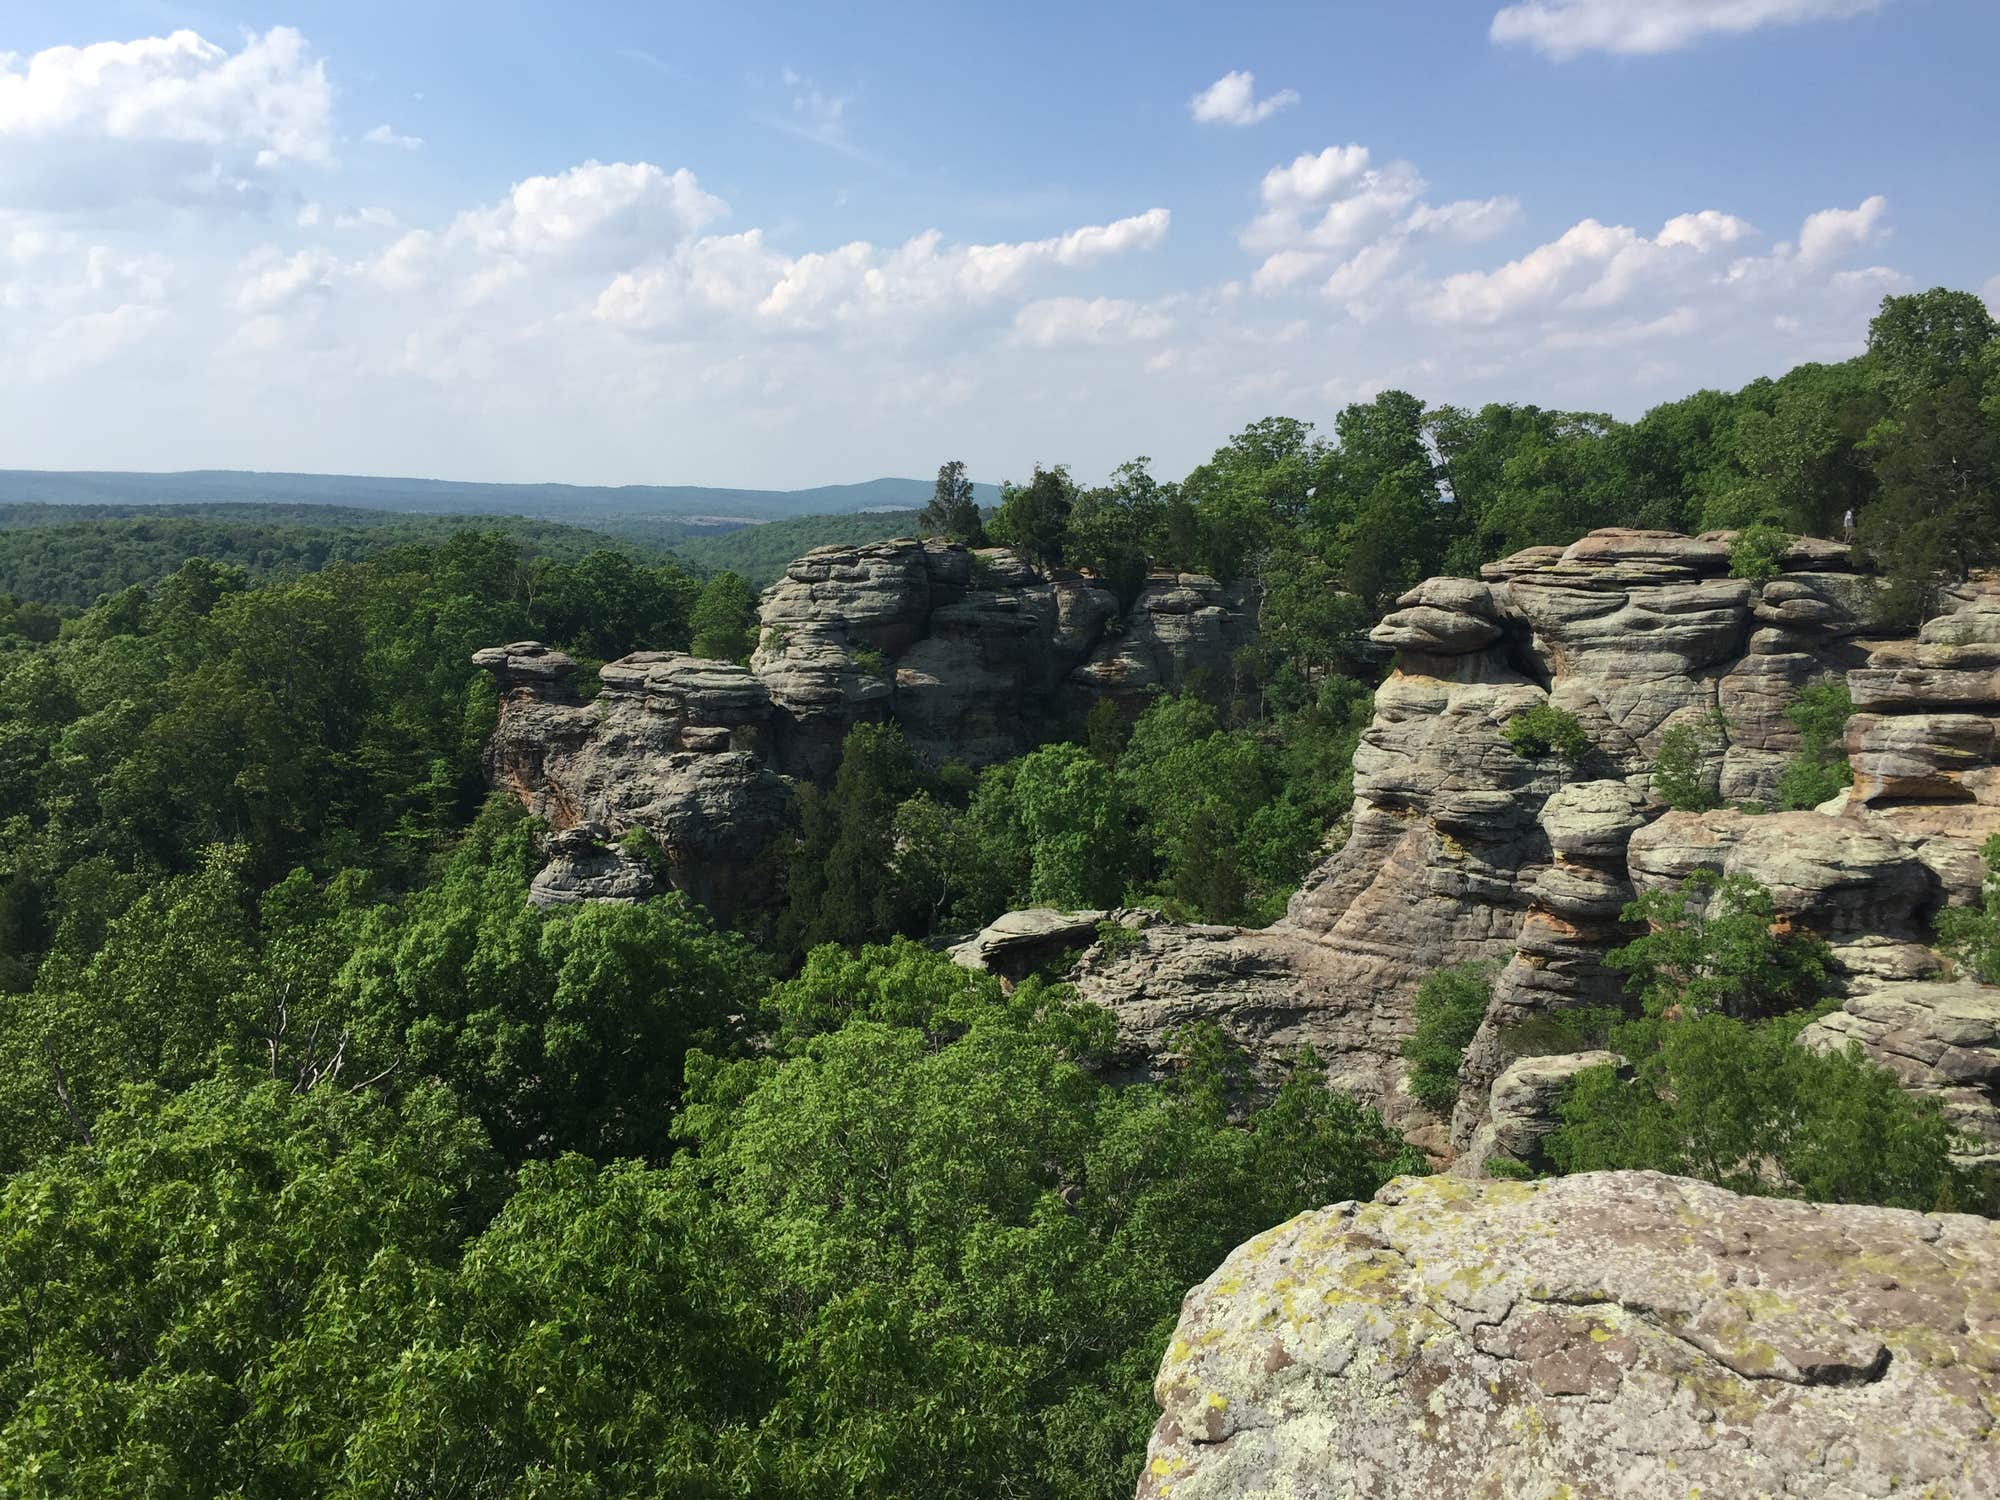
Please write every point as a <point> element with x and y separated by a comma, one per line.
<point>386,135</point>
<point>1232,100</point>
<point>653,61</point>
<point>1563,29</point>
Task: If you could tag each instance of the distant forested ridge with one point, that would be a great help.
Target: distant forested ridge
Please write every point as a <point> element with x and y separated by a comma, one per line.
<point>575,503</point>
<point>51,556</point>
<point>329,1165</point>
<point>760,553</point>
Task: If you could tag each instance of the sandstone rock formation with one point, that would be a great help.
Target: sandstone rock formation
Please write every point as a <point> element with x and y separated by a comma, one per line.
<point>1017,943</point>
<point>1524,1108</point>
<point>1450,857</point>
<point>585,866</point>
<point>672,744</point>
<point>1941,1040</point>
<point>973,654</point>
<point>1462,850</point>
<point>1611,1334</point>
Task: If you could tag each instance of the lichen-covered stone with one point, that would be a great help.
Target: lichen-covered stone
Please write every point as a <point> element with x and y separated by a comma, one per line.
<point>1607,1335</point>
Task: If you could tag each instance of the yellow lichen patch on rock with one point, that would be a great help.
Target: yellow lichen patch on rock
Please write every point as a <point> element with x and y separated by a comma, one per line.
<point>1615,1334</point>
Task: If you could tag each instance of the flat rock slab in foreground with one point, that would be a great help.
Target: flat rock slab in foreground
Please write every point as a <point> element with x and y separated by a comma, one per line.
<point>1610,1334</point>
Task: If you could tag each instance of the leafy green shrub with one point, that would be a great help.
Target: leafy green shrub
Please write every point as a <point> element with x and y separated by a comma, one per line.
<point>1715,947</point>
<point>1719,1089</point>
<point>1556,1032</point>
<point>1115,938</point>
<point>872,662</point>
<point>1970,935</point>
<point>1546,729</point>
<point>1756,551</point>
<point>1687,772</point>
<point>1449,1007</point>
<point>1819,771</point>
<point>1739,1104</point>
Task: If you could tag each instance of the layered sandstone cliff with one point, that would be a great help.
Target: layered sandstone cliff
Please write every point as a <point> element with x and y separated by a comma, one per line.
<point>1464,850</point>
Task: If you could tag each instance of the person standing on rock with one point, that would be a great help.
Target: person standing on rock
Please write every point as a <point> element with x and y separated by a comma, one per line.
<point>1847,526</point>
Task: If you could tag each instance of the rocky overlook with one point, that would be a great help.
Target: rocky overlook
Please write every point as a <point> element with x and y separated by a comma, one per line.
<point>972,653</point>
<point>1610,1334</point>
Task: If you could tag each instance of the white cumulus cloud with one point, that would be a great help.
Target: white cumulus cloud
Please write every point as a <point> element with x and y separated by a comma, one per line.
<point>1232,100</point>
<point>174,117</point>
<point>1563,29</point>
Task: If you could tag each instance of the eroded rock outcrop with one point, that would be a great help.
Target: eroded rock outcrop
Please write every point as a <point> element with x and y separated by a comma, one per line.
<point>1450,858</point>
<point>672,744</point>
<point>584,865</point>
<point>973,654</point>
<point>1610,1334</point>
<point>1017,943</point>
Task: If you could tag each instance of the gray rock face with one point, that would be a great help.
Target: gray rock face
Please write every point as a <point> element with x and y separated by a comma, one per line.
<point>1611,1334</point>
<point>1839,875</point>
<point>672,744</point>
<point>1462,851</point>
<point>1016,943</point>
<point>584,866</point>
<point>1941,1040</point>
<point>1573,921</point>
<point>971,654</point>
<point>1524,1109</point>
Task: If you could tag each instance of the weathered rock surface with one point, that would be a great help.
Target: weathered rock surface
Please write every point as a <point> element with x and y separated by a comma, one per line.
<point>584,866</point>
<point>1524,1109</point>
<point>1611,1334</point>
<point>1459,850</point>
<point>672,744</point>
<point>1016,943</point>
<point>973,653</point>
<point>1941,1040</point>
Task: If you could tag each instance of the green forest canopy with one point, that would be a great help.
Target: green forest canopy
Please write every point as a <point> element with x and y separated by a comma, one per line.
<point>327,1165</point>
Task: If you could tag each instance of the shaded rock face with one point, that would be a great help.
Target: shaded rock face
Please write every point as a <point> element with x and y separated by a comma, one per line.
<point>972,654</point>
<point>584,866</point>
<point>1524,1108</point>
<point>1017,943</point>
<point>671,744</point>
<point>1611,1334</point>
<point>1922,739</point>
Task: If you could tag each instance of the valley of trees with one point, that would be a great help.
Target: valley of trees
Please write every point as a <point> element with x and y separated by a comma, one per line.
<point>329,1166</point>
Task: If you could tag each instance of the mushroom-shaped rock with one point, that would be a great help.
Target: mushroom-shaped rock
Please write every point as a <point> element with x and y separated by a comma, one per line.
<point>1593,820</point>
<point>1840,874</point>
<point>1610,1334</point>
<point>585,866</point>
<point>525,664</point>
<point>1445,632</point>
<point>1016,943</point>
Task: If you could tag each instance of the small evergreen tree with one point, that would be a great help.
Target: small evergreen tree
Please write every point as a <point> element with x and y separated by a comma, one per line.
<point>953,512</point>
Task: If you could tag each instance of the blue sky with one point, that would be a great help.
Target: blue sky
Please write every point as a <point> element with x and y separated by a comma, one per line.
<point>788,245</point>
